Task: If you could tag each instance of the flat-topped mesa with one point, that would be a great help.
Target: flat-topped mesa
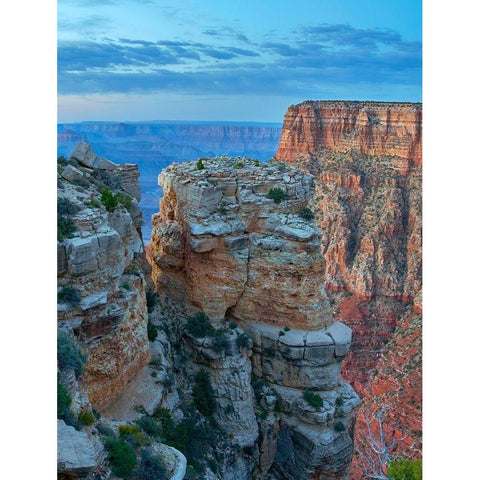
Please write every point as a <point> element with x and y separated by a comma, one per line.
<point>225,247</point>
<point>373,128</point>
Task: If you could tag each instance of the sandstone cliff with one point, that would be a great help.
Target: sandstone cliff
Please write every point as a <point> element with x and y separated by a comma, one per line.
<point>105,381</point>
<point>101,293</point>
<point>222,247</point>
<point>366,157</point>
<point>373,128</point>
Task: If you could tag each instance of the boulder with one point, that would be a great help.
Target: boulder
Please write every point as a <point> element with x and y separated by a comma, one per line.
<point>84,155</point>
<point>77,454</point>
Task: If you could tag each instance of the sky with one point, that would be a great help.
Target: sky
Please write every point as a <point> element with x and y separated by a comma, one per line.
<point>216,60</point>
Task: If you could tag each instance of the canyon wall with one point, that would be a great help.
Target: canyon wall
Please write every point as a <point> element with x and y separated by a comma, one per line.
<point>223,247</point>
<point>373,128</point>
<point>101,288</point>
<point>367,159</point>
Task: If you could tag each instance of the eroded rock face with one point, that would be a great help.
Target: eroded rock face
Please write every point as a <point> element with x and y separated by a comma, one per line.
<point>220,245</point>
<point>367,160</point>
<point>98,266</point>
<point>373,128</point>
<point>217,227</point>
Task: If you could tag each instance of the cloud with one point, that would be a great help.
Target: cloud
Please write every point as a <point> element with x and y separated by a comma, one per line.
<point>225,33</point>
<point>319,57</point>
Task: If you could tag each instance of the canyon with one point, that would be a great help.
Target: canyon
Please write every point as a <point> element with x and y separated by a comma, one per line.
<point>154,145</point>
<point>268,290</point>
<point>367,159</point>
<point>238,307</point>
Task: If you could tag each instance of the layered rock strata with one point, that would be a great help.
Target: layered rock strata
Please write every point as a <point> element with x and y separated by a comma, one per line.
<point>373,128</point>
<point>101,288</point>
<point>367,159</point>
<point>221,245</point>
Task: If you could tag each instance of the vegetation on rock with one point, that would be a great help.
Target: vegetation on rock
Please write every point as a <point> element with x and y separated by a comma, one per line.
<point>69,296</point>
<point>121,456</point>
<point>199,326</point>
<point>306,214</point>
<point>109,200</point>
<point>316,401</point>
<point>276,194</point>
<point>203,395</point>
<point>151,467</point>
<point>68,355</point>
<point>404,469</point>
<point>85,417</point>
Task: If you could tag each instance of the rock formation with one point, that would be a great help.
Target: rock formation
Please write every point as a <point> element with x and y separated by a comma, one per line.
<point>106,308</point>
<point>105,380</point>
<point>230,241</point>
<point>367,159</point>
<point>372,128</point>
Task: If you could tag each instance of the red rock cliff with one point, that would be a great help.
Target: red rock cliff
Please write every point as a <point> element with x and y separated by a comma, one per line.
<point>367,159</point>
<point>374,128</point>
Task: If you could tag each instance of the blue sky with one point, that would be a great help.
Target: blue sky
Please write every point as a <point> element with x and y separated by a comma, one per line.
<point>237,61</point>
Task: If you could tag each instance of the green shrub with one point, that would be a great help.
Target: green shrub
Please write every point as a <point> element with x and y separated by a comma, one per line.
<point>220,342</point>
<point>68,355</point>
<point>68,295</point>
<point>281,166</point>
<point>126,286</point>
<point>200,165</point>
<point>239,165</point>
<point>404,469</point>
<point>276,194</point>
<point>151,467</point>
<point>152,331</point>
<point>81,182</point>
<point>195,437</point>
<point>203,395</point>
<point>109,199</point>
<point>66,207</point>
<point>199,326</point>
<point>287,329</point>
<point>61,160</point>
<point>313,399</point>
<point>339,401</point>
<point>65,227</point>
<point>121,456</point>
<point>125,199</point>
<point>94,203</point>
<point>105,431</point>
<point>257,163</point>
<point>222,208</point>
<point>306,214</point>
<point>150,426</point>
<point>85,417</point>
<point>165,417</point>
<point>132,434</point>
<point>64,400</point>
<point>212,465</point>
<point>244,341</point>
<point>339,427</point>
<point>233,325</point>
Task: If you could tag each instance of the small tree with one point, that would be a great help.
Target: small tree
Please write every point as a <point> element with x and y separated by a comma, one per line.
<point>276,194</point>
<point>306,214</point>
<point>203,394</point>
<point>109,199</point>
<point>200,165</point>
